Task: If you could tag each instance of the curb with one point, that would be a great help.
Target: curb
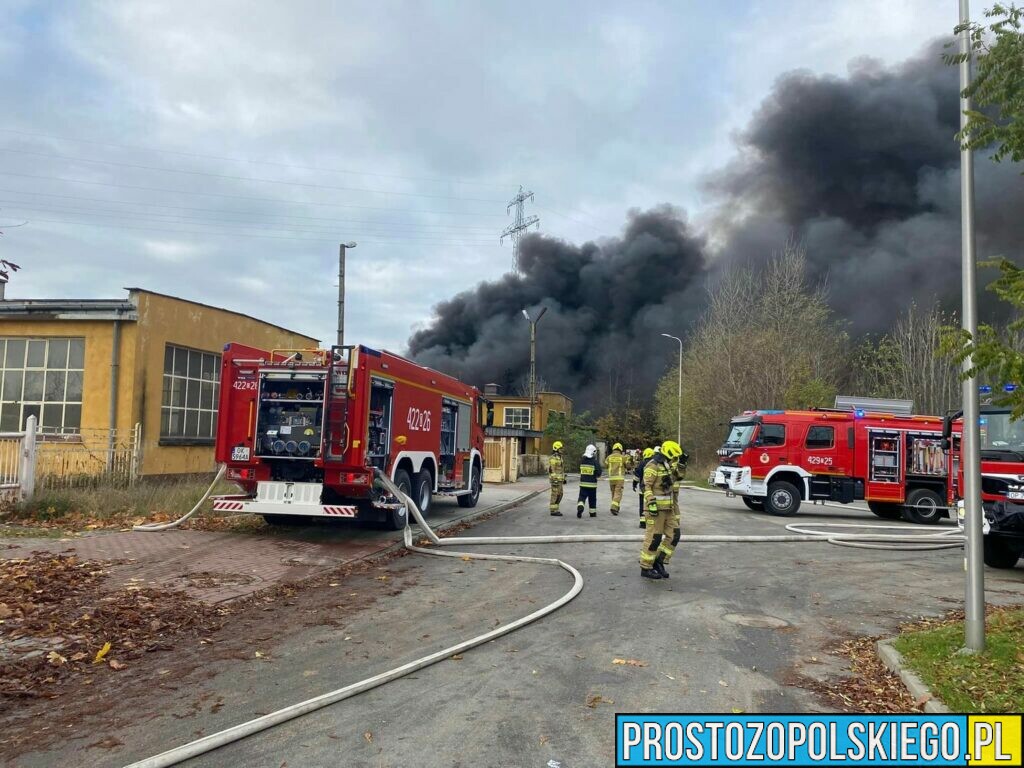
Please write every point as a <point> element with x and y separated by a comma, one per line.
<point>893,661</point>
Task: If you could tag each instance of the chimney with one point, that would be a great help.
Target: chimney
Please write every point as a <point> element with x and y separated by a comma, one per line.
<point>491,389</point>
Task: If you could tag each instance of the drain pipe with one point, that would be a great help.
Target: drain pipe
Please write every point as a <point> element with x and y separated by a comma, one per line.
<point>115,371</point>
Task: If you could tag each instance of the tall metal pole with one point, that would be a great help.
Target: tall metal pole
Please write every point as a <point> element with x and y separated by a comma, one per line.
<point>974,626</point>
<point>679,401</point>
<point>533,364</point>
<point>341,291</point>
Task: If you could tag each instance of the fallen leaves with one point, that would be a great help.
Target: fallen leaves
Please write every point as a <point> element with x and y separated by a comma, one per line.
<point>595,699</point>
<point>369,737</point>
<point>65,621</point>
<point>629,662</point>
<point>98,658</point>
<point>457,657</point>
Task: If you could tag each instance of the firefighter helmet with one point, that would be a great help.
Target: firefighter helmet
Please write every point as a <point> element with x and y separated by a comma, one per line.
<point>648,452</point>
<point>590,451</point>
<point>557,445</point>
<point>671,450</point>
<point>617,447</point>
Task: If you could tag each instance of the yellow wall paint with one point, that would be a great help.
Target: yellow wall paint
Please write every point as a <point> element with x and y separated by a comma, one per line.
<point>161,320</point>
<point>546,402</point>
<point>164,320</point>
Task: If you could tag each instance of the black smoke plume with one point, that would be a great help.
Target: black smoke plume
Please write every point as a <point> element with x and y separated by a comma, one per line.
<point>862,170</point>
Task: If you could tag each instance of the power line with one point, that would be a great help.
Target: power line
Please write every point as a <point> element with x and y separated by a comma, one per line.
<point>271,226</point>
<point>239,197</point>
<point>294,166</point>
<point>233,177</point>
<point>263,216</point>
<point>519,226</point>
<point>334,240</point>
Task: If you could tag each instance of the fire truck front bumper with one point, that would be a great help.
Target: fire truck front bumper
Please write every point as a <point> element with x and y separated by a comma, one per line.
<point>736,481</point>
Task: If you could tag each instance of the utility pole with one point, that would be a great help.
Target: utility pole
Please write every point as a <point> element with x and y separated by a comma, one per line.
<point>533,359</point>
<point>679,402</point>
<point>516,229</point>
<point>341,291</point>
<point>974,608</point>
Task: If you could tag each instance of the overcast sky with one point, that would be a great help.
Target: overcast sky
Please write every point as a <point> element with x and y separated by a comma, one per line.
<point>220,151</point>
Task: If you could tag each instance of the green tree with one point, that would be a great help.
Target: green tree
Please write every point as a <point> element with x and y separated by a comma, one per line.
<point>767,340</point>
<point>633,427</point>
<point>997,48</point>
<point>997,90</point>
<point>574,432</point>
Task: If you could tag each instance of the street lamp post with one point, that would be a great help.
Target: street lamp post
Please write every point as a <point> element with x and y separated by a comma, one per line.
<point>341,291</point>
<point>533,358</point>
<point>679,402</point>
<point>974,603</point>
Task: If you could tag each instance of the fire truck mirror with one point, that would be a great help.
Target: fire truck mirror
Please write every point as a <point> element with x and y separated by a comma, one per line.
<point>946,443</point>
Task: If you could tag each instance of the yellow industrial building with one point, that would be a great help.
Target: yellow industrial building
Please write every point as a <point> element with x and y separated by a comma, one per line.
<point>143,370</point>
<point>514,417</point>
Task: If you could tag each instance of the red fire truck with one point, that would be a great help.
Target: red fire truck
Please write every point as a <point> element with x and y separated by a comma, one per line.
<point>1002,481</point>
<point>302,431</point>
<point>776,459</point>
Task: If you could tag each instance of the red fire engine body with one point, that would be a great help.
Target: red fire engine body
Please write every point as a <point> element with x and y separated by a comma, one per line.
<point>1002,481</point>
<point>776,459</point>
<point>302,431</point>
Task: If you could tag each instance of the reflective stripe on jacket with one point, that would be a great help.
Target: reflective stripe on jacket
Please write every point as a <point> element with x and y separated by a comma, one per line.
<point>589,472</point>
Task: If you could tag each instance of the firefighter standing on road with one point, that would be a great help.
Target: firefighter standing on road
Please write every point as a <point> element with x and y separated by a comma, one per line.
<point>676,464</point>
<point>590,470</point>
<point>556,474</point>
<point>616,465</point>
<point>658,503</point>
<point>638,480</point>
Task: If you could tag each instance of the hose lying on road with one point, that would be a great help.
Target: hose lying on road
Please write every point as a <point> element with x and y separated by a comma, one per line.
<point>801,533</point>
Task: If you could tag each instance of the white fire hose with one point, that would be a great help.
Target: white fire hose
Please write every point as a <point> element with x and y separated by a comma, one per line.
<point>799,533</point>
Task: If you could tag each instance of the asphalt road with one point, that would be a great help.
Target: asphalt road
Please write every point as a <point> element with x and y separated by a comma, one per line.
<point>733,629</point>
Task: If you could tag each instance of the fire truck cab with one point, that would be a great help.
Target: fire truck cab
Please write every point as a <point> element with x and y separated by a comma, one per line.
<point>303,431</point>
<point>776,459</point>
<point>1002,481</point>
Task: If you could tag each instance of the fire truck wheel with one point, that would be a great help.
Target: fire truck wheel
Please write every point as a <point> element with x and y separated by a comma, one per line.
<point>424,487</point>
<point>756,504</point>
<point>470,499</point>
<point>885,511</point>
<point>783,499</point>
<point>924,506</point>
<point>999,553</point>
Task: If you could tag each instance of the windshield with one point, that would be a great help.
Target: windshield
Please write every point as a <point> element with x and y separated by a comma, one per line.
<point>1000,433</point>
<point>740,434</point>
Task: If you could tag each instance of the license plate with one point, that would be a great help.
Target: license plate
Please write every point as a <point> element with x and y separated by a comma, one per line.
<point>240,453</point>
<point>1015,495</point>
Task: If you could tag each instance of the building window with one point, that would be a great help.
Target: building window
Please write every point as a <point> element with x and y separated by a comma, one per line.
<point>41,378</point>
<point>821,437</point>
<point>191,392</point>
<point>517,417</point>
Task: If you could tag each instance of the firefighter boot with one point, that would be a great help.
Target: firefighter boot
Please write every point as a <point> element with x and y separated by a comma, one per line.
<point>659,565</point>
<point>650,573</point>
<point>579,510</point>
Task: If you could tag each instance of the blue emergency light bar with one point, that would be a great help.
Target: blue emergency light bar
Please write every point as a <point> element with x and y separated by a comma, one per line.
<point>984,389</point>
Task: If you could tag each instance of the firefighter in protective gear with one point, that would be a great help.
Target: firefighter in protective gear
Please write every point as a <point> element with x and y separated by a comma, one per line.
<point>676,467</point>
<point>590,470</point>
<point>638,480</point>
<point>556,475</point>
<point>658,505</point>
<point>616,465</point>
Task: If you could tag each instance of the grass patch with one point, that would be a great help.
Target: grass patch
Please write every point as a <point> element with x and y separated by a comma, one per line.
<point>992,681</point>
<point>98,508</point>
